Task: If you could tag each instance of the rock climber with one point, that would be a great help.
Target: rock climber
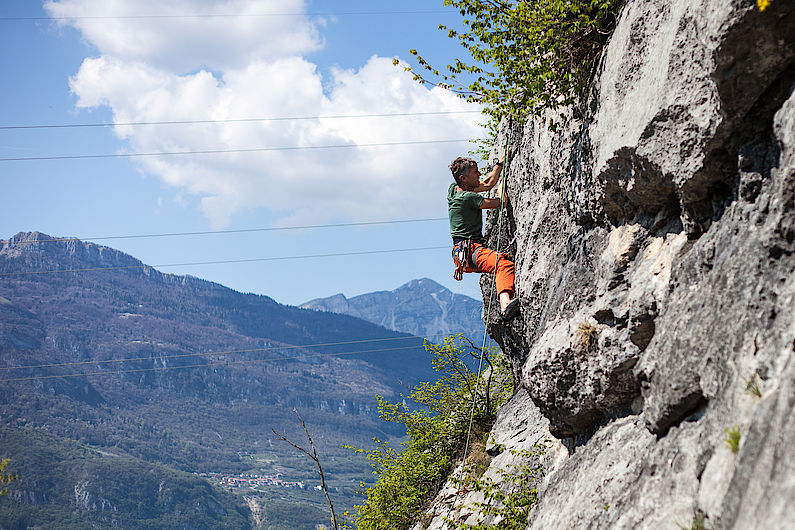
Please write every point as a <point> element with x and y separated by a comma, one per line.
<point>465,205</point>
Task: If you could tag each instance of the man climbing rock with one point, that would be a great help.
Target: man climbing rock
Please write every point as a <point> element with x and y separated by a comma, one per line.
<point>465,205</point>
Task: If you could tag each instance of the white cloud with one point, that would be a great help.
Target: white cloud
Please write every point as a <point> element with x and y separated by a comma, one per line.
<point>186,44</point>
<point>298,185</point>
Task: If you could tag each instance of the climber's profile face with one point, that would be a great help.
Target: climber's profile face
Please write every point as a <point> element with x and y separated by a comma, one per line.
<point>471,179</point>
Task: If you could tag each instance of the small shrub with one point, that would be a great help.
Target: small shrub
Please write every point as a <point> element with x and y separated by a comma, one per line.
<point>732,439</point>
<point>437,432</point>
<point>753,385</point>
<point>5,478</point>
<point>586,337</point>
<point>511,499</point>
<point>698,522</point>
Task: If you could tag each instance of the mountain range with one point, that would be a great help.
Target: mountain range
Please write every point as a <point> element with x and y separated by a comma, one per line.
<point>420,307</point>
<point>119,385</point>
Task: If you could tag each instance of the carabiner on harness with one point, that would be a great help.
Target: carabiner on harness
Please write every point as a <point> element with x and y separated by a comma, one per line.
<point>463,258</point>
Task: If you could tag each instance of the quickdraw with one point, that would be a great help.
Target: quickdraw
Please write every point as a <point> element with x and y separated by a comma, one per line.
<point>464,257</point>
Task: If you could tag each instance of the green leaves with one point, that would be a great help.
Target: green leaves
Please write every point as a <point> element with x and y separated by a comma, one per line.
<point>6,478</point>
<point>535,54</point>
<point>436,428</point>
<point>509,500</point>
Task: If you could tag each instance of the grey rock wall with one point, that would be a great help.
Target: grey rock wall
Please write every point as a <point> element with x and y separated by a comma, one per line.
<point>654,237</point>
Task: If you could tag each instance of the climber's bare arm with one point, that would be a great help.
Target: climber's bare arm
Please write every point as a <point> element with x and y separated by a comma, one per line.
<point>494,176</point>
<point>493,202</point>
<point>489,204</point>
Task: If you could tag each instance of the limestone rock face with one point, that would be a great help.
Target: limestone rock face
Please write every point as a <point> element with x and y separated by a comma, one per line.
<point>654,237</point>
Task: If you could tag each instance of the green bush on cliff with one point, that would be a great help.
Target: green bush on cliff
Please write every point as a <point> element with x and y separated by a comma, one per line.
<point>6,478</point>
<point>526,55</point>
<point>507,501</point>
<point>436,430</point>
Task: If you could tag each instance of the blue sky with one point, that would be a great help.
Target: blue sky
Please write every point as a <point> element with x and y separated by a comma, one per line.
<point>119,70</point>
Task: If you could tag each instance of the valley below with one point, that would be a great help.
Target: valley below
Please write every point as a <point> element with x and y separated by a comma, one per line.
<point>139,399</point>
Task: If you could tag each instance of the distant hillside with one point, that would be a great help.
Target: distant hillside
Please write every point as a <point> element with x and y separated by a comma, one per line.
<point>78,487</point>
<point>419,307</point>
<point>153,391</point>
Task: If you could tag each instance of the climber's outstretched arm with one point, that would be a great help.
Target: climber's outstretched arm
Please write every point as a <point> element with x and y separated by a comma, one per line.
<point>494,176</point>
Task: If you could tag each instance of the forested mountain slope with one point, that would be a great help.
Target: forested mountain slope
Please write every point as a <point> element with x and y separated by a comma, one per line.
<point>179,372</point>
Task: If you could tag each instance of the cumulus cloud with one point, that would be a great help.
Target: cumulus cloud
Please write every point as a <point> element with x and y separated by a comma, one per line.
<point>154,84</point>
<point>221,34</point>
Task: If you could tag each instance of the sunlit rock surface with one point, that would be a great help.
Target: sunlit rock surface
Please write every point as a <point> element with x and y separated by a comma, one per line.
<point>659,215</point>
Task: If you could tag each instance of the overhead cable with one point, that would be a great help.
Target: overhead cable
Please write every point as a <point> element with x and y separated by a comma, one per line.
<point>218,151</point>
<point>236,120</point>
<point>206,365</point>
<point>249,260</point>
<point>209,232</point>
<point>228,352</point>
<point>235,15</point>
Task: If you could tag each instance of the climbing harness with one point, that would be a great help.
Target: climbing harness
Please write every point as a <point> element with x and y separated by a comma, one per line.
<point>464,254</point>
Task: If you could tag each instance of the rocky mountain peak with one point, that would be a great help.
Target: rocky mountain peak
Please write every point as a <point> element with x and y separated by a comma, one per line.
<point>63,252</point>
<point>420,307</point>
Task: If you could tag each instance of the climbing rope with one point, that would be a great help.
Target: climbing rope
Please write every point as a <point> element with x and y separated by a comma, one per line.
<point>504,177</point>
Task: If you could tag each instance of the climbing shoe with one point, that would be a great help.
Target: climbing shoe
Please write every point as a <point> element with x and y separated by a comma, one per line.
<point>511,310</point>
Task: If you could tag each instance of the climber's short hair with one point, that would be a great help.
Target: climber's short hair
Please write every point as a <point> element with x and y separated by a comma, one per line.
<point>461,166</point>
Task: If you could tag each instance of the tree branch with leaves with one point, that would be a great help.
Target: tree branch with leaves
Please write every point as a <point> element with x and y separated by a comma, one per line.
<point>436,427</point>
<point>526,56</point>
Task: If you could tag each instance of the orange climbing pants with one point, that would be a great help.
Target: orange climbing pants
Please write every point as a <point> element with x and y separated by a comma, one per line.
<point>485,260</point>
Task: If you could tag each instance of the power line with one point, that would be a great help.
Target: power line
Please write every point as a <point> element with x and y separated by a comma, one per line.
<point>207,365</point>
<point>237,120</point>
<point>217,151</point>
<point>209,232</point>
<point>235,15</point>
<point>249,260</point>
<point>228,352</point>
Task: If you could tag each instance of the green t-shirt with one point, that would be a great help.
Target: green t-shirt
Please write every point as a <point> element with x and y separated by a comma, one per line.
<point>466,217</point>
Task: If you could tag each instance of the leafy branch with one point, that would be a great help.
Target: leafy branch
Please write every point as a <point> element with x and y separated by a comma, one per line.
<point>509,500</point>
<point>527,56</point>
<point>436,429</point>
